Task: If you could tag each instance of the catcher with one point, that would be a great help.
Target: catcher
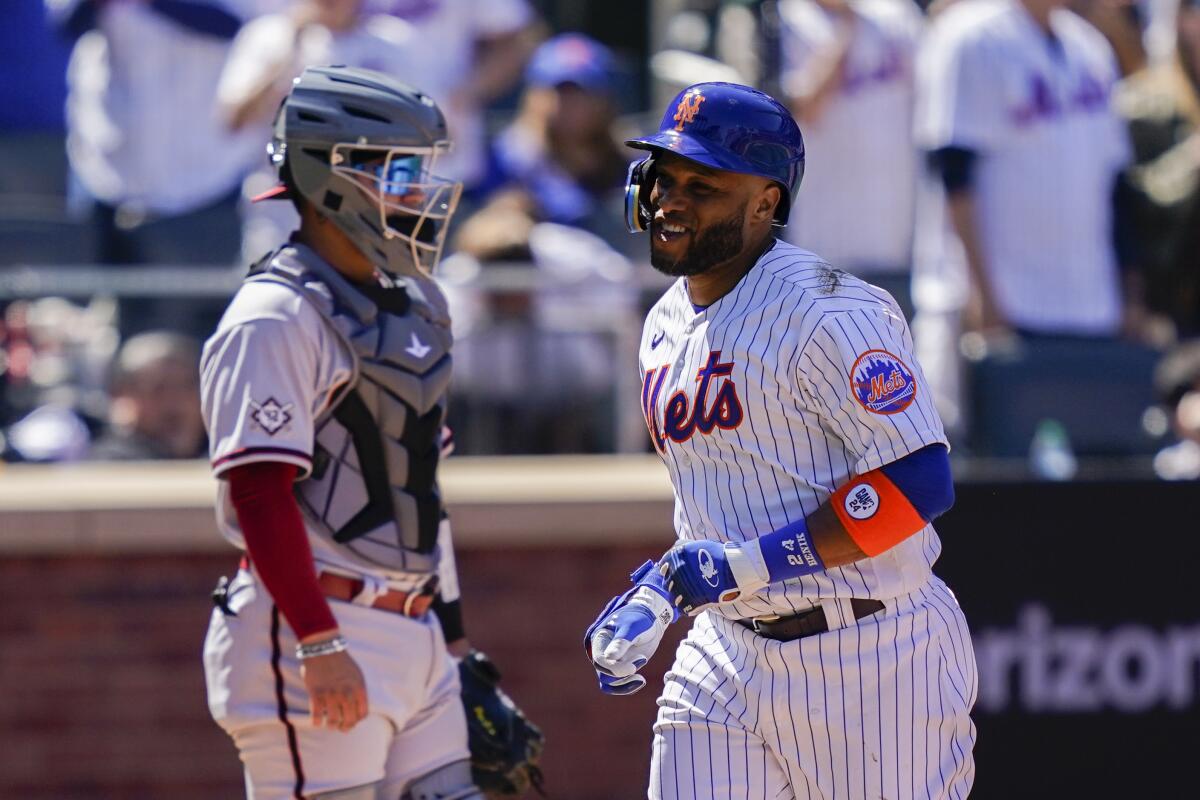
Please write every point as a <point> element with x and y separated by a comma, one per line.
<point>329,656</point>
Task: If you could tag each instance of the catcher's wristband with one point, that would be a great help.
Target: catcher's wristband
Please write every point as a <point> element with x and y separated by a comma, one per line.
<point>337,644</point>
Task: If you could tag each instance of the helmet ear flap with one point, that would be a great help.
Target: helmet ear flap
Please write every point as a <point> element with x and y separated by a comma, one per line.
<point>638,185</point>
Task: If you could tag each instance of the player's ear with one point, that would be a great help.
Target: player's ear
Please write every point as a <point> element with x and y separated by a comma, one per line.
<point>762,208</point>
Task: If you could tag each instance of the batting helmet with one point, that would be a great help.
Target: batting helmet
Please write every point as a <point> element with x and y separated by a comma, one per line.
<point>726,126</point>
<point>361,148</point>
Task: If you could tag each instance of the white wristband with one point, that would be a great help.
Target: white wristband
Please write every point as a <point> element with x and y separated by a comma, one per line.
<point>654,601</point>
<point>747,565</point>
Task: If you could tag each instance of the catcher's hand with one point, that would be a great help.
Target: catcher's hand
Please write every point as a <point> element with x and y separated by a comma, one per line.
<point>505,746</point>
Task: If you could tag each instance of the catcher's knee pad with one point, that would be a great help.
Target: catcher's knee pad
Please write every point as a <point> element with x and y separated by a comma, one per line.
<point>367,792</point>
<point>451,782</point>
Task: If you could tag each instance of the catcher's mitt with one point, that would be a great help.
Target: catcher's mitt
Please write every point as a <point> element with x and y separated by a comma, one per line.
<point>505,746</point>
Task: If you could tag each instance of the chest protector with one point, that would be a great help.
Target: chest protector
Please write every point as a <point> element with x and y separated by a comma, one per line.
<point>373,488</point>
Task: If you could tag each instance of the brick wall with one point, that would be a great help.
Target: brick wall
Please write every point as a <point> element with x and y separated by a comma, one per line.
<point>104,693</point>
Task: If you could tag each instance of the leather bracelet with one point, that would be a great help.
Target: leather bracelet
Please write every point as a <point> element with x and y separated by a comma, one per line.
<point>335,645</point>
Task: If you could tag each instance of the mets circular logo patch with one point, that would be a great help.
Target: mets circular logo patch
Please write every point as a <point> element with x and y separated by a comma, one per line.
<point>882,383</point>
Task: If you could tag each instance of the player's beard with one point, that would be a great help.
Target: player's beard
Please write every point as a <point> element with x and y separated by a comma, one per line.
<point>716,244</point>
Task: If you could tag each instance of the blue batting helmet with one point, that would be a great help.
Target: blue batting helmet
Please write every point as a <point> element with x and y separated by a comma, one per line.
<point>725,126</point>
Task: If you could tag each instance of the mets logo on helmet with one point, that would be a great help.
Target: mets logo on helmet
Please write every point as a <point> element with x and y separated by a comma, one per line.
<point>882,383</point>
<point>685,112</point>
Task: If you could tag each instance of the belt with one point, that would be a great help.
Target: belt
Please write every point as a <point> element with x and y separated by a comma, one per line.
<point>807,623</point>
<point>339,587</point>
<point>410,604</point>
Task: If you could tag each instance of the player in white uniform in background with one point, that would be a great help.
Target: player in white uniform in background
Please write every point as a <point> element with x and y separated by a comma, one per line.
<point>1015,218</point>
<point>324,391</point>
<point>848,73</point>
<point>467,54</point>
<point>807,461</point>
<point>272,50</point>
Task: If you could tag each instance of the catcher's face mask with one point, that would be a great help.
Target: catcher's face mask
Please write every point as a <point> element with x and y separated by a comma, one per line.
<point>414,204</point>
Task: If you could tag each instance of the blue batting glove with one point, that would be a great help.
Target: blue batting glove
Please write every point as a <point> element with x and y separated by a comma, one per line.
<point>620,686</point>
<point>697,575</point>
<point>628,631</point>
<point>619,648</point>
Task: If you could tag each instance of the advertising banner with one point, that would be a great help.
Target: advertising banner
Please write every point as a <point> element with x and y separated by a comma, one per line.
<point>1084,604</point>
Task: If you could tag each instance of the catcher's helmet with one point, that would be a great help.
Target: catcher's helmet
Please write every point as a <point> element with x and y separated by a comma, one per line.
<point>361,148</point>
<point>726,126</point>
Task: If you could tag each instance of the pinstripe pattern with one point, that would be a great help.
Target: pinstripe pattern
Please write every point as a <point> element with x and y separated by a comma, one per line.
<point>792,337</point>
<point>877,709</point>
<point>868,710</point>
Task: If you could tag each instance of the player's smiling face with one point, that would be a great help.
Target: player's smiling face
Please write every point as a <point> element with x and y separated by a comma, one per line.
<point>700,218</point>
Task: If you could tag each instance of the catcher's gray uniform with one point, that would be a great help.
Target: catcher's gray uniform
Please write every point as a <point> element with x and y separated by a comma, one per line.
<point>348,383</point>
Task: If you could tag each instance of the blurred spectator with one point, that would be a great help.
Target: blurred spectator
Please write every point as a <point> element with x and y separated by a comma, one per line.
<point>155,408</point>
<point>535,358</point>
<point>560,153</point>
<point>16,358</point>
<point>157,171</point>
<point>690,55</point>
<point>53,359</point>
<point>154,172</point>
<point>467,54</point>
<point>54,352</point>
<point>1159,18</point>
<point>848,73</point>
<point>1162,106</point>
<point>1016,226</point>
<point>272,50</point>
<point>1178,382</point>
<point>269,52</point>
<point>1121,23</point>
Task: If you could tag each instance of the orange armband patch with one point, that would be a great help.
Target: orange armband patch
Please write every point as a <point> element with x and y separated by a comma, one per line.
<point>875,512</point>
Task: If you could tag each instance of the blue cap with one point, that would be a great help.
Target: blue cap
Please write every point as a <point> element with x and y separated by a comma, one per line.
<point>571,58</point>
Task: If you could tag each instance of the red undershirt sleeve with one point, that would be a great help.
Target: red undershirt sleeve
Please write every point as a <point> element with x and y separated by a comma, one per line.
<point>261,493</point>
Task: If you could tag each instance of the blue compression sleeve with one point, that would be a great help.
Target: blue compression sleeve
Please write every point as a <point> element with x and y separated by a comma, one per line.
<point>924,478</point>
<point>1126,235</point>
<point>955,166</point>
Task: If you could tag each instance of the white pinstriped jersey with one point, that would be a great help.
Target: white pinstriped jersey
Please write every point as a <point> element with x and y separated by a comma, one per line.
<point>765,402</point>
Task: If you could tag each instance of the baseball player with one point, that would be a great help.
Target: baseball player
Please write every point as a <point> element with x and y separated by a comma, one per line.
<point>1017,224</point>
<point>826,659</point>
<point>324,391</point>
<point>848,72</point>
